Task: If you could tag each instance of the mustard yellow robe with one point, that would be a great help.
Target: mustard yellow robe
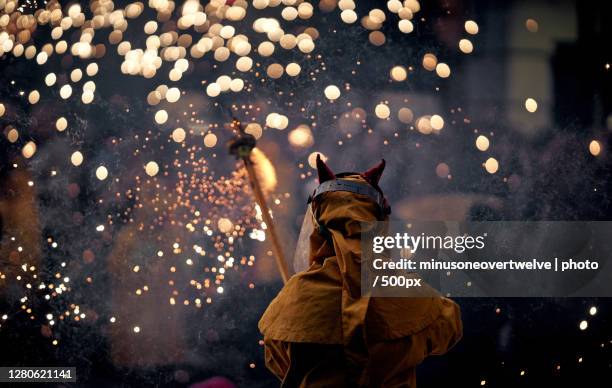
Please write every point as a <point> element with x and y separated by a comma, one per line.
<point>320,332</point>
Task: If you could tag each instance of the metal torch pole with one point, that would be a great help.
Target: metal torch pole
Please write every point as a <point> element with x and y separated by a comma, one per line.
<point>241,146</point>
<point>265,213</point>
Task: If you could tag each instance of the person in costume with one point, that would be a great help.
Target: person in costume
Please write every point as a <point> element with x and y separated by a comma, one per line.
<point>319,331</point>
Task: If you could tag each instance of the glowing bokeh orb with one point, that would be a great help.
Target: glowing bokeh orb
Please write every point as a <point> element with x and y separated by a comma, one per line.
<point>221,54</point>
<point>28,150</point>
<point>429,62</point>
<point>377,15</point>
<point>278,121</point>
<point>76,75</point>
<point>595,147</point>
<point>289,13</point>
<point>531,105</point>
<point>12,135</point>
<point>152,168</point>
<point>178,135</point>
<point>332,92</point>
<point>101,173</point>
<point>532,25</point>
<point>265,49</point>
<point>482,143</point>
<point>377,38</point>
<point>161,116</point>
<point>87,97</point>
<point>213,89</point>
<point>437,122</point>
<point>301,137</point>
<point>89,86</point>
<point>423,125</point>
<point>224,82</point>
<point>254,129</point>
<point>210,140</point>
<point>466,46</point>
<point>443,70</point>
<point>244,64</point>
<point>92,69</point>
<point>471,27</point>
<point>394,5</point>
<point>382,111</point>
<point>405,115</point>
<point>293,69</point>
<point>236,85</point>
<point>173,95</point>
<point>398,73</point>
<point>405,26</point>
<point>346,4</point>
<point>34,97</point>
<point>61,124</point>
<point>348,16</point>
<point>491,165</point>
<point>306,45</point>
<point>50,79</point>
<point>76,158</point>
<point>66,91</point>
<point>275,70</point>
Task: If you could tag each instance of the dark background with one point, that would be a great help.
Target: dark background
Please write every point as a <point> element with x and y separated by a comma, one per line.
<point>546,173</point>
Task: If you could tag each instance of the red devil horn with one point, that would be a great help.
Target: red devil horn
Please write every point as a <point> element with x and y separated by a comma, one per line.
<point>325,173</point>
<point>373,175</point>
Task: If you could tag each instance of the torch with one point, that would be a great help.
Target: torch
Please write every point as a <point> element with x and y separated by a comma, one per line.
<point>241,146</point>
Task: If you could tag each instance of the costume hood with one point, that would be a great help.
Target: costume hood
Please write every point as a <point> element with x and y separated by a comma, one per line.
<point>323,304</point>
